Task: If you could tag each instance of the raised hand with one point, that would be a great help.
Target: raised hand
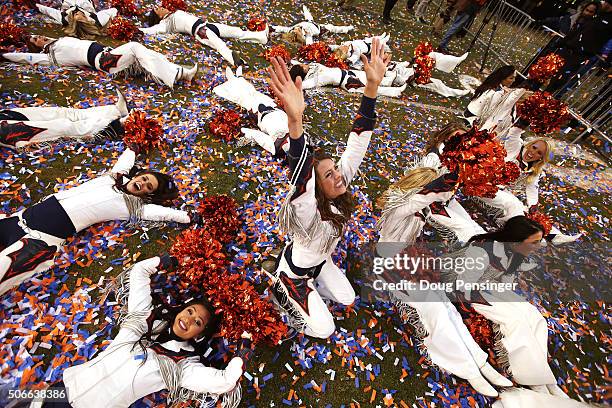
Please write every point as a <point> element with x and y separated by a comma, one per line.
<point>290,94</point>
<point>375,67</point>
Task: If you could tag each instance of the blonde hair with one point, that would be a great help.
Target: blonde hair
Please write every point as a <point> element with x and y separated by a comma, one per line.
<point>341,52</point>
<point>295,36</point>
<point>547,157</point>
<point>415,178</point>
<point>84,30</point>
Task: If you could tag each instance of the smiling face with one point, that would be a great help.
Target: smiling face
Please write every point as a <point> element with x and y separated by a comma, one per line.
<point>534,152</point>
<point>330,179</point>
<point>40,41</point>
<point>142,185</point>
<point>530,244</point>
<point>191,322</point>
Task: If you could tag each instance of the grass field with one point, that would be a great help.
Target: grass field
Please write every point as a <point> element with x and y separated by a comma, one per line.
<point>372,359</point>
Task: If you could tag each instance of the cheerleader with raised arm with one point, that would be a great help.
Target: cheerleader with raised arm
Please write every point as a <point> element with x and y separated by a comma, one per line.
<point>158,347</point>
<point>79,18</point>
<point>22,127</point>
<point>272,121</point>
<point>129,58</point>
<point>304,32</point>
<point>161,21</point>
<point>319,204</point>
<point>29,239</point>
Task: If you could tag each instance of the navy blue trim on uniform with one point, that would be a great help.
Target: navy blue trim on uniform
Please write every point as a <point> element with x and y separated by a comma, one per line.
<point>311,272</point>
<point>93,51</point>
<point>49,217</point>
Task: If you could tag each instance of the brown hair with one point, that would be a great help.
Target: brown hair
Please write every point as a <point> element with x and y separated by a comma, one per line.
<point>84,30</point>
<point>344,203</point>
<point>33,48</point>
<point>442,135</point>
<point>417,177</point>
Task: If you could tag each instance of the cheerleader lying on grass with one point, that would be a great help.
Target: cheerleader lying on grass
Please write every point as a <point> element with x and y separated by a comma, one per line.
<point>30,238</point>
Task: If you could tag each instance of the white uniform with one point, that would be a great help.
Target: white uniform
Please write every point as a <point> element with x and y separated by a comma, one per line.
<point>272,121</point>
<point>208,34</point>
<point>45,124</point>
<point>310,29</point>
<point>68,6</point>
<point>92,202</point>
<point>131,57</point>
<point>119,375</point>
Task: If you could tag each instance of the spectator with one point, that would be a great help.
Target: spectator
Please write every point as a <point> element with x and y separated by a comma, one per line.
<point>564,24</point>
<point>465,10</point>
<point>389,4</point>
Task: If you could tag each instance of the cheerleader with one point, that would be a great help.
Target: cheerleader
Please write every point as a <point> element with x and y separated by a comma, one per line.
<point>129,58</point>
<point>317,75</point>
<point>29,239</point>
<point>531,157</point>
<point>351,51</point>
<point>79,18</point>
<point>319,204</point>
<point>304,32</point>
<point>163,21</point>
<point>158,347</point>
<point>272,121</point>
<point>22,127</point>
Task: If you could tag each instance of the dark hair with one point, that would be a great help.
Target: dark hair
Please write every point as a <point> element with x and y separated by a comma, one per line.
<point>152,18</point>
<point>166,191</point>
<point>494,79</point>
<point>167,314</point>
<point>590,3</point>
<point>343,203</point>
<point>516,229</point>
<point>297,71</point>
<point>31,46</point>
<point>441,135</point>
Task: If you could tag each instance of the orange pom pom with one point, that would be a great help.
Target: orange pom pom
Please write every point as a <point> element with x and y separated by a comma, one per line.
<point>544,113</point>
<point>141,132</point>
<point>122,29</point>
<point>225,125</point>
<point>546,67</point>
<point>257,24</point>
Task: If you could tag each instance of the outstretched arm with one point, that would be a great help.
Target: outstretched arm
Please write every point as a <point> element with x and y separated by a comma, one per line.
<point>359,137</point>
<point>27,58</point>
<point>125,162</point>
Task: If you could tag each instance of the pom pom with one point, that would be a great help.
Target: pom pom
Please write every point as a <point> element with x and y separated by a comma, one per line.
<point>122,29</point>
<point>546,67</point>
<point>479,160</point>
<point>423,63</point>
<point>321,53</point>
<point>10,34</point>
<point>225,125</point>
<point>544,220</point>
<point>202,264</point>
<point>199,254</point>
<point>220,217</point>
<point>544,113</point>
<point>126,7</point>
<point>174,5</point>
<point>141,132</point>
<point>277,51</point>
<point>257,24</point>
<point>480,328</point>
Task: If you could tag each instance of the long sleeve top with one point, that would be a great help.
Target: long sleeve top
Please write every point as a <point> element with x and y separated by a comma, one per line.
<point>319,75</point>
<point>118,377</point>
<point>98,200</point>
<point>177,22</point>
<point>311,252</point>
<point>65,51</point>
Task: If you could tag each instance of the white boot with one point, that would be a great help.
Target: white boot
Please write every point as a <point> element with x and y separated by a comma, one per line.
<point>122,104</point>
<point>445,62</point>
<point>483,387</point>
<point>494,377</point>
<point>540,388</point>
<point>403,75</point>
<point>391,91</point>
<point>253,136</point>
<point>189,74</point>
<point>560,239</point>
<point>555,390</point>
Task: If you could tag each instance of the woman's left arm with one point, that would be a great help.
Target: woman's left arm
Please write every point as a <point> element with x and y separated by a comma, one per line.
<point>532,192</point>
<point>154,212</point>
<point>199,378</point>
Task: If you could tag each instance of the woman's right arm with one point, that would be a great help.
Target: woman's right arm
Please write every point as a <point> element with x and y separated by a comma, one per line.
<point>159,28</point>
<point>139,298</point>
<point>27,58</point>
<point>125,162</point>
